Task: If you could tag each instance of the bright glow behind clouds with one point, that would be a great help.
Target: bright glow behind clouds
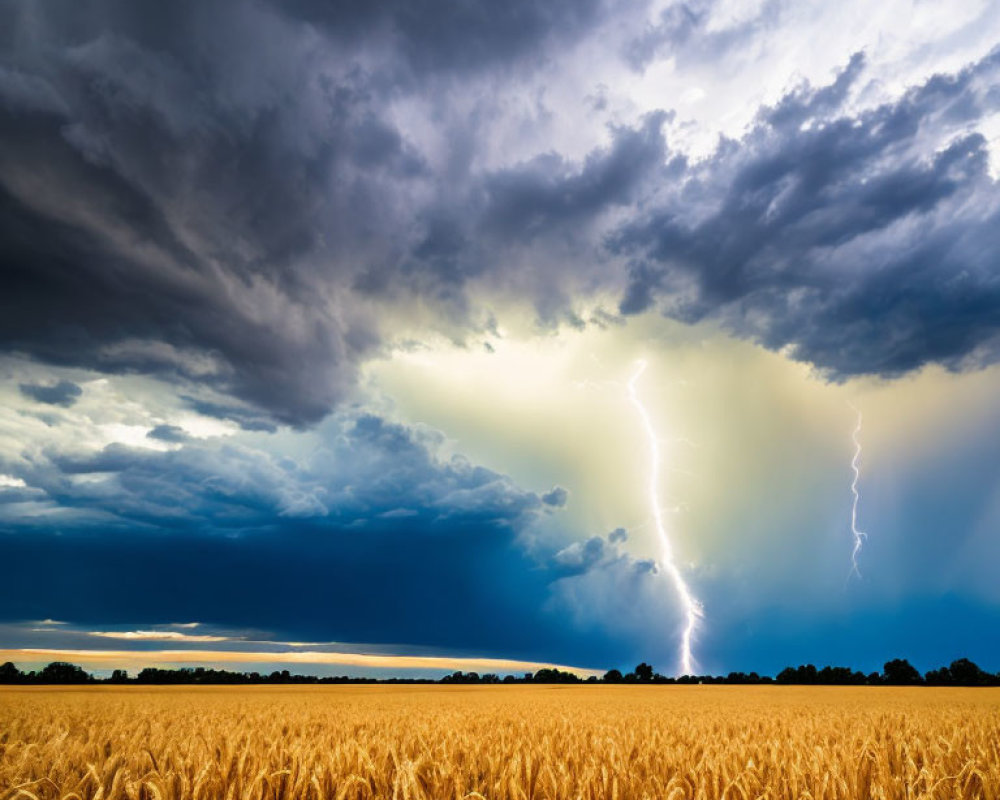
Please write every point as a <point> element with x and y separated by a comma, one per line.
<point>754,487</point>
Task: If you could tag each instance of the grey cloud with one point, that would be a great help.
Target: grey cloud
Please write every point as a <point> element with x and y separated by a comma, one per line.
<point>446,36</point>
<point>226,200</point>
<point>64,393</point>
<point>247,418</point>
<point>214,180</point>
<point>546,193</point>
<point>513,219</point>
<point>557,497</point>
<point>618,536</point>
<point>856,242</point>
<point>365,469</point>
<point>684,33</point>
<point>168,433</point>
<point>599,553</point>
<point>581,557</point>
<point>231,200</point>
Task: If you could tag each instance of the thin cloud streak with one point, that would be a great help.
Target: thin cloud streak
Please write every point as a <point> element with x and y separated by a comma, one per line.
<point>158,636</point>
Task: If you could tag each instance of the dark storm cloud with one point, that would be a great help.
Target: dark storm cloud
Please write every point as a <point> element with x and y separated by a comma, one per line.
<point>547,193</point>
<point>527,220</point>
<point>64,393</point>
<point>228,195</point>
<point>538,224</point>
<point>304,583</point>
<point>187,191</point>
<point>196,190</point>
<point>451,35</point>
<point>373,539</point>
<point>863,244</point>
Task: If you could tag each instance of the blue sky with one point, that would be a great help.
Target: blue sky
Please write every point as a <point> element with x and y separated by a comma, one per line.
<point>317,324</point>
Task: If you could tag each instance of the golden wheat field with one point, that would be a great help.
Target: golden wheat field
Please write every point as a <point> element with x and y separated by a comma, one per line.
<point>499,742</point>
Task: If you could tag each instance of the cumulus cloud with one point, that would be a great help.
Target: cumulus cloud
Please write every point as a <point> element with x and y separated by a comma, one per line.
<point>861,243</point>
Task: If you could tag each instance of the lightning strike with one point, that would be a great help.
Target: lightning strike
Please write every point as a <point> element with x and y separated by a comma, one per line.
<point>859,536</point>
<point>689,603</point>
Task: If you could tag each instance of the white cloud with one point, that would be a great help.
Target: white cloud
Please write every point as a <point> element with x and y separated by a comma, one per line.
<point>158,636</point>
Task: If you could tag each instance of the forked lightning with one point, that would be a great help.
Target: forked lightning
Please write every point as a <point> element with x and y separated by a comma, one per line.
<point>689,604</point>
<point>859,536</point>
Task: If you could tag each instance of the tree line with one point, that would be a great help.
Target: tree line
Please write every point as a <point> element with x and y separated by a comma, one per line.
<point>898,672</point>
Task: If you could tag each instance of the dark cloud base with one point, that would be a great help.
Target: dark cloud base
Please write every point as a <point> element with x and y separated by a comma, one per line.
<point>408,583</point>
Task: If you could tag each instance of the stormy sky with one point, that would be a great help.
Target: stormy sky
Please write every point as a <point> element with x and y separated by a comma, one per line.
<point>317,321</point>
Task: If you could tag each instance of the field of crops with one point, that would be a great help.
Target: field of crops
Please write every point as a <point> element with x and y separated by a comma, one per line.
<point>498,742</point>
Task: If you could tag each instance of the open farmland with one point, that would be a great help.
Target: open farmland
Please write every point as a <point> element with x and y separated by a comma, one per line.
<point>499,742</point>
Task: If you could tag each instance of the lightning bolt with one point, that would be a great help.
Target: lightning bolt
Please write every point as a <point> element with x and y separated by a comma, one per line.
<point>689,603</point>
<point>859,536</point>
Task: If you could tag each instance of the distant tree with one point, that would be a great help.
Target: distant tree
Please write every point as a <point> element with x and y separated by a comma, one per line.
<point>643,672</point>
<point>744,678</point>
<point>613,676</point>
<point>62,672</point>
<point>842,676</point>
<point>469,677</point>
<point>549,675</point>
<point>805,674</point>
<point>10,673</point>
<point>900,672</point>
<point>787,675</point>
<point>118,676</point>
<point>966,673</point>
<point>938,677</point>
